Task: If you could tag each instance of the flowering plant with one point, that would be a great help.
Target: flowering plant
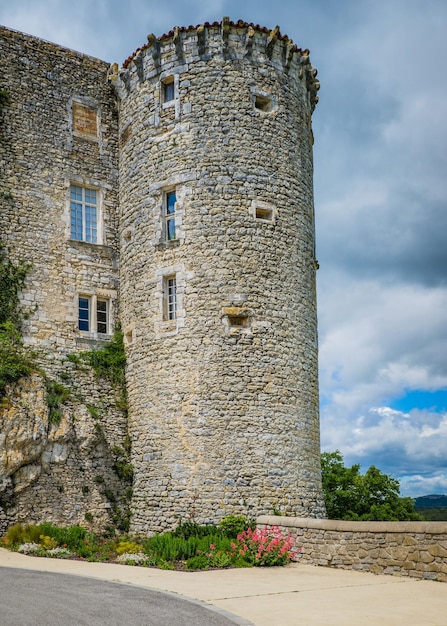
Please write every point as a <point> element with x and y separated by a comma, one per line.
<point>30,548</point>
<point>264,546</point>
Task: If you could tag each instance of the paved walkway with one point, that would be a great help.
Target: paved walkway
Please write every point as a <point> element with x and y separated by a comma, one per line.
<point>296,595</point>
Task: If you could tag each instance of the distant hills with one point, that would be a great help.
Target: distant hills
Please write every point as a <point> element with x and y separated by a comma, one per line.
<point>433,507</point>
<point>431,501</point>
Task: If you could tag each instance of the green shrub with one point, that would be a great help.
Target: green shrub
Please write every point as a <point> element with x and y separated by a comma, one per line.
<point>192,529</point>
<point>15,361</point>
<point>19,533</point>
<point>72,537</point>
<point>57,395</point>
<point>234,525</point>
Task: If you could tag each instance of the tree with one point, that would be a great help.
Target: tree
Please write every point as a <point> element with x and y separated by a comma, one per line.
<point>350,495</point>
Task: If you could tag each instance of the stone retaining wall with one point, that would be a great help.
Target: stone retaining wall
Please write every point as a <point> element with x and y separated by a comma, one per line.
<point>416,549</point>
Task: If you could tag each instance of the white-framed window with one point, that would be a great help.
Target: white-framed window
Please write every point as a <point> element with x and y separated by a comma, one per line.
<point>169,298</point>
<point>84,213</point>
<point>169,305</point>
<point>169,214</point>
<point>93,314</point>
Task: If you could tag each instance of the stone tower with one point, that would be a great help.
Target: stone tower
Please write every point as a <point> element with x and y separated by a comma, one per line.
<point>217,296</point>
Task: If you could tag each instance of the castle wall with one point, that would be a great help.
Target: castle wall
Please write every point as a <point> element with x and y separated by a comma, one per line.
<point>58,127</point>
<point>223,391</point>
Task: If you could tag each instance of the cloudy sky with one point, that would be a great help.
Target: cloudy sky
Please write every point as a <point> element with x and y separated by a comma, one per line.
<point>381,201</point>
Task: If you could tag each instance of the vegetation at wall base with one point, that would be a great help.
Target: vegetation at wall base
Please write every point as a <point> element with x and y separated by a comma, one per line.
<point>373,496</point>
<point>15,360</point>
<point>189,547</point>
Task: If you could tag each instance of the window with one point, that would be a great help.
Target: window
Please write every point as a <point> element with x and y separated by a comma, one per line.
<point>168,89</point>
<point>265,214</point>
<point>263,211</point>
<point>84,314</point>
<point>238,321</point>
<point>170,298</point>
<point>263,103</point>
<point>93,314</point>
<point>84,214</point>
<point>169,206</point>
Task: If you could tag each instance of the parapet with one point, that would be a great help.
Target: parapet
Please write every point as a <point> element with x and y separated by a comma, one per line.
<point>227,40</point>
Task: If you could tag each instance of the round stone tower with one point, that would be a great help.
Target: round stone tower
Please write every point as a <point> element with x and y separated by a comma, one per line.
<point>218,302</point>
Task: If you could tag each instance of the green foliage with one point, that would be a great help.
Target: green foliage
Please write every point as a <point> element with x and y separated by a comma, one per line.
<point>172,548</point>
<point>57,395</point>
<point>121,518</point>
<point>4,98</point>
<point>19,533</point>
<point>72,537</point>
<point>433,514</point>
<point>93,412</point>
<point>109,362</point>
<point>12,281</point>
<point>188,529</point>
<point>122,464</point>
<point>234,525</point>
<point>350,495</point>
<point>15,362</point>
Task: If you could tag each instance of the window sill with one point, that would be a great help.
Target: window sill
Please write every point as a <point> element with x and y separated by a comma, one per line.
<point>92,338</point>
<point>164,245</point>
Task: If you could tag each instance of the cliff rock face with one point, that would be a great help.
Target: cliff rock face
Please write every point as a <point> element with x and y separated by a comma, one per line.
<point>58,471</point>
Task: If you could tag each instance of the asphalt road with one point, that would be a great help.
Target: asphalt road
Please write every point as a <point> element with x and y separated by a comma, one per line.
<point>29,598</point>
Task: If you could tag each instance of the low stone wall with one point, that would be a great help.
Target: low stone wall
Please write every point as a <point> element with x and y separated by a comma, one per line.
<point>416,549</point>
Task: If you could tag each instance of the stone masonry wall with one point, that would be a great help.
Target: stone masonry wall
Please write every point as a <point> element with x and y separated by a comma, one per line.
<point>59,471</point>
<point>58,126</point>
<point>46,146</point>
<point>416,549</point>
<point>224,398</point>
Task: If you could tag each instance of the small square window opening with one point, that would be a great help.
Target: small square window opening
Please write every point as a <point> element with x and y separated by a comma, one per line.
<point>264,214</point>
<point>263,103</point>
<point>238,321</point>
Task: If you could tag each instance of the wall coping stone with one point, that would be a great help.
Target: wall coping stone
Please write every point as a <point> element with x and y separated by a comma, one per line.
<point>432,528</point>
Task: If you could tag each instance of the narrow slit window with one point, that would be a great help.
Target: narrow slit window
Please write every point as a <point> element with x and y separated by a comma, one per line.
<point>101,316</point>
<point>84,314</point>
<point>170,298</point>
<point>170,203</point>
